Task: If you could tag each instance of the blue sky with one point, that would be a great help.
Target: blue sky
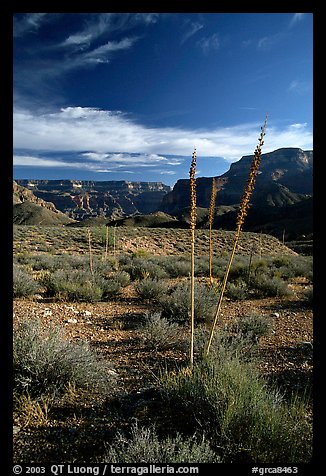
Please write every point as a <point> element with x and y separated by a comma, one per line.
<point>128,96</point>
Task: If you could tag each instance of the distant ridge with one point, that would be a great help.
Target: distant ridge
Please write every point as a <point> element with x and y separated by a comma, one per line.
<point>284,181</point>
<point>85,199</point>
<point>31,210</point>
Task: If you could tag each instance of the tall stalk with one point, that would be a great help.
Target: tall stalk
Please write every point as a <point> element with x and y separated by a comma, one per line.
<point>192,174</point>
<point>106,241</point>
<point>211,220</point>
<point>90,250</point>
<point>114,240</point>
<point>244,206</point>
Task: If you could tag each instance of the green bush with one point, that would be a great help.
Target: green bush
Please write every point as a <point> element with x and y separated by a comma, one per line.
<point>239,268</point>
<point>309,295</point>
<point>140,268</point>
<point>74,285</point>
<point>108,288</point>
<point>265,286</point>
<point>44,363</point>
<point>248,421</point>
<point>150,289</point>
<point>303,266</point>
<point>176,305</point>
<point>201,266</point>
<point>280,261</point>
<point>23,283</point>
<point>82,285</point>
<point>251,327</point>
<point>160,334</point>
<point>176,266</point>
<point>122,277</point>
<point>237,291</point>
<point>144,446</point>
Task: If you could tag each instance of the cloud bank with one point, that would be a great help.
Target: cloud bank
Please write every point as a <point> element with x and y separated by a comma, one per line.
<point>101,131</point>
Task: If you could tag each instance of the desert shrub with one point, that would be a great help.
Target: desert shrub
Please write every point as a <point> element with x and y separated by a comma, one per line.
<point>122,277</point>
<point>73,285</point>
<point>160,334</point>
<point>62,261</point>
<point>282,260</point>
<point>176,266</point>
<point>140,268</point>
<point>239,268</point>
<point>258,267</point>
<point>141,253</point>
<point>176,304</point>
<point>124,259</point>
<point>105,266</point>
<point>150,289</point>
<point>225,344</point>
<point>82,285</point>
<point>65,261</point>
<point>201,266</point>
<point>303,266</point>
<point>237,291</point>
<point>308,295</point>
<point>144,446</point>
<point>287,267</point>
<point>108,288</point>
<point>251,327</point>
<point>23,283</point>
<point>40,261</point>
<point>266,286</point>
<point>248,421</point>
<point>44,363</point>
<point>46,261</point>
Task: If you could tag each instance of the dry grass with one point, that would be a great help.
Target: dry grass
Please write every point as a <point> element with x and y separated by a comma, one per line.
<point>32,412</point>
<point>155,241</point>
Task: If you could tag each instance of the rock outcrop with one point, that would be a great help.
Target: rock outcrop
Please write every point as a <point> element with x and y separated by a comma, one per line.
<point>284,177</point>
<point>284,188</point>
<point>111,199</point>
<point>31,210</point>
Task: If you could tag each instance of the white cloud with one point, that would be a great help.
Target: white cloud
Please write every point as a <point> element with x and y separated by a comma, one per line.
<point>297,17</point>
<point>78,39</point>
<point>192,30</point>
<point>103,52</point>
<point>31,161</point>
<point>46,162</point>
<point>104,24</point>
<point>121,159</point>
<point>209,43</point>
<point>95,156</point>
<point>112,137</point>
<point>28,23</point>
<point>299,87</point>
<point>246,43</point>
<point>268,42</point>
<point>93,29</point>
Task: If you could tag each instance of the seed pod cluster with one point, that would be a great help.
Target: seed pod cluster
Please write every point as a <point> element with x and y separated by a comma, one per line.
<point>192,174</point>
<point>244,204</point>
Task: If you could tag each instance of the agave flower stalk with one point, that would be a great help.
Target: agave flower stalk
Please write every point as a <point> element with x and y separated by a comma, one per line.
<point>90,250</point>
<point>193,216</point>
<point>243,210</point>
<point>211,219</point>
<point>106,241</point>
